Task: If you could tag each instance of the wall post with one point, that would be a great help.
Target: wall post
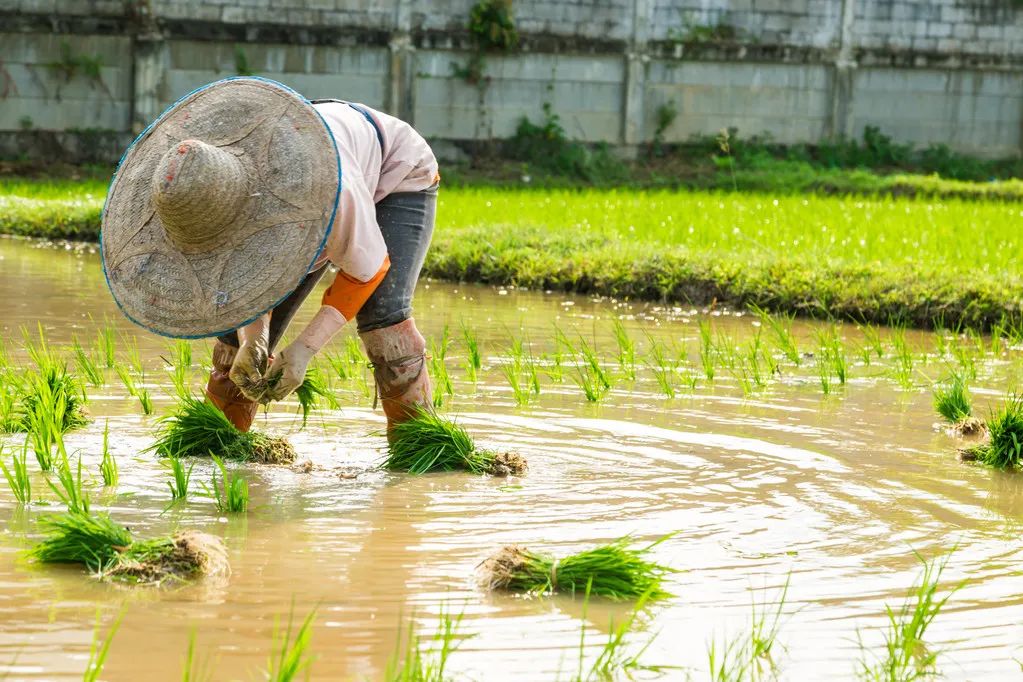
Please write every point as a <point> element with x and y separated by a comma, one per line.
<point>842,76</point>
<point>634,86</point>
<point>400,85</point>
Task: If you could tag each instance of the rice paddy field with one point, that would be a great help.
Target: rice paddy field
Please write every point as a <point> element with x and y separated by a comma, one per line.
<point>710,494</point>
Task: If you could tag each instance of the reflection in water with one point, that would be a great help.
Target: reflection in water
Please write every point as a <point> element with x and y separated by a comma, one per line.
<point>835,492</point>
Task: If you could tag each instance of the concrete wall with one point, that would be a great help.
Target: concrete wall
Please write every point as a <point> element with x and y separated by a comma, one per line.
<point>924,71</point>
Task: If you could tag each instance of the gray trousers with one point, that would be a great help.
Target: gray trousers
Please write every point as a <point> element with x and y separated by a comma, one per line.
<point>406,222</point>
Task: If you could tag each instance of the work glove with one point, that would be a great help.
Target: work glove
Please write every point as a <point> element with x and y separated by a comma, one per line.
<point>250,364</point>
<point>289,367</point>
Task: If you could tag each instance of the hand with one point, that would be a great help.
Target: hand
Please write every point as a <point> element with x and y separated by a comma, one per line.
<point>251,362</point>
<point>288,372</point>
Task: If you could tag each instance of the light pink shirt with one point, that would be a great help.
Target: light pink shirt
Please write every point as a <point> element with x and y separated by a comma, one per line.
<point>368,174</point>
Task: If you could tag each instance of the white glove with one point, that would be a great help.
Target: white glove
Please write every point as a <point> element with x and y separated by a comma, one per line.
<point>251,362</point>
<point>289,368</point>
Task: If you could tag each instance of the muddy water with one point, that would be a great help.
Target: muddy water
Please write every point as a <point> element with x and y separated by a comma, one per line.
<point>831,493</point>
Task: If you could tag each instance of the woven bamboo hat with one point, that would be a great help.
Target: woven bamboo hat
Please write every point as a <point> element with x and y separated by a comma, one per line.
<point>218,209</point>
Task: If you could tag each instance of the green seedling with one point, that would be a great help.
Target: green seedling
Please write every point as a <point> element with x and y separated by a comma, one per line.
<point>708,356</point>
<point>199,429</point>
<point>106,345</point>
<point>903,370</point>
<point>180,478</point>
<point>614,570</point>
<point>419,658</point>
<point>17,475</point>
<point>109,549</point>
<point>952,399</point>
<point>662,367</point>
<point>626,350</point>
<point>1004,448</point>
<point>108,465</point>
<point>100,649</point>
<point>291,653</point>
<point>193,668</point>
<point>473,359</point>
<point>313,388</point>
<point>86,365</point>
<point>427,442</point>
<point>781,326</point>
<point>439,370</point>
<point>70,490</point>
<point>232,492</point>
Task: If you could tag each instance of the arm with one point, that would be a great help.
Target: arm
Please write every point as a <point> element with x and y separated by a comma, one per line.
<point>341,302</point>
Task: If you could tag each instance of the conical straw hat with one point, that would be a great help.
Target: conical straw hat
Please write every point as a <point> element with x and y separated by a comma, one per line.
<point>218,209</point>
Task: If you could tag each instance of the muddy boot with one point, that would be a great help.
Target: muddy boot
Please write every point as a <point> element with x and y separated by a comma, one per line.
<point>222,392</point>
<point>398,356</point>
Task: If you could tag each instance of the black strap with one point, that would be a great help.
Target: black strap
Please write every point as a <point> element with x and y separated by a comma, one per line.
<point>361,110</point>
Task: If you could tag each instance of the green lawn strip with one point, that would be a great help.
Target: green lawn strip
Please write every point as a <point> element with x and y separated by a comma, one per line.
<point>867,259</point>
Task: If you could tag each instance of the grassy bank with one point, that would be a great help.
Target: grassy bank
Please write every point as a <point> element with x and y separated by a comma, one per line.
<point>922,262</point>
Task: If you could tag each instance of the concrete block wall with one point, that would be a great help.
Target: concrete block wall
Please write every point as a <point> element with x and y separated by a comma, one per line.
<point>924,71</point>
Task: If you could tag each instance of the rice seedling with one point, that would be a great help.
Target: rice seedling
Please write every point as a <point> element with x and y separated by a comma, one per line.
<point>109,549</point>
<point>749,654</point>
<point>614,570</point>
<point>613,662</point>
<point>626,350</point>
<point>100,649</point>
<point>313,388</point>
<point>199,429</point>
<point>952,399</point>
<point>180,364</point>
<point>47,415</point>
<point>832,352</point>
<point>86,365</point>
<point>872,345</point>
<point>136,390</point>
<point>903,370</point>
<point>781,326</point>
<point>596,370</point>
<point>108,465</point>
<point>231,494</point>
<point>532,373</point>
<point>512,372</point>
<point>591,384</point>
<point>70,489</point>
<point>428,442</point>
<point>708,355</point>
<point>180,478</point>
<point>906,655</point>
<point>1004,447</point>
<point>132,354</point>
<point>965,355</point>
<point>291,656</point>
<point>194,669</point>
<point>439,370</point>
<point>49,393</point>
<point>663,370</point>
<point>473,359</point>
<point>419,658</point>
<point>106,345</point>
<point>823,372</point>
<point>17,475</point>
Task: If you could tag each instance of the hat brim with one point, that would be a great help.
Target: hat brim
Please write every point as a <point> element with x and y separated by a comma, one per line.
<point>294,172</point>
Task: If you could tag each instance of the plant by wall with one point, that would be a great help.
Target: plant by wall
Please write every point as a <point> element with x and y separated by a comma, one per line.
<point>71,66</point>
<point>492,28</point>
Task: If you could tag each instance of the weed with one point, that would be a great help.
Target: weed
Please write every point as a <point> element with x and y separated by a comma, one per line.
<point>614,570</point>
<point>232,492</point>
<point>17,476</point>
<point>428,442</point>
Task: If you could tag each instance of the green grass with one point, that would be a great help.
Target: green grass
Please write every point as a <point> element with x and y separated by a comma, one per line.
<point>868,259</point>
<point>198,429</point>
<point>615,571</point>
<point>428,442</point>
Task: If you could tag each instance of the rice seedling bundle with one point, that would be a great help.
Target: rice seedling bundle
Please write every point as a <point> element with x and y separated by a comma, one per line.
<point>313,388</point>
<point>614,570</point>
<point>952,402</point>
<point>199,429</point>
<point>103,546</point>
<point>1004,447</point>
<point>50,393</point>
<point>428,442</point>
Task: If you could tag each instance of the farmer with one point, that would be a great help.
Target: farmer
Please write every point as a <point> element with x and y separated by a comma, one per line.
<point>225,213</point>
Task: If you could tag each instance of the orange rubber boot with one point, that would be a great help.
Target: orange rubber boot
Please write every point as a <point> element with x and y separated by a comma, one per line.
<point>222,392</point>
<point>398,356</point>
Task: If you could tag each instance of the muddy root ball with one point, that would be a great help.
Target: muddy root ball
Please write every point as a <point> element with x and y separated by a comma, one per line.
<point>270,450</point>
<point>189,554</point>
<point>505,567</point>
<point>969,426</point>
<point>507,464</point>
<point>971,454</point>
